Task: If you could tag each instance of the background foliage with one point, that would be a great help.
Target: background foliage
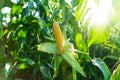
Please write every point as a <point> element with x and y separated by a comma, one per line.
<point>28,46</point>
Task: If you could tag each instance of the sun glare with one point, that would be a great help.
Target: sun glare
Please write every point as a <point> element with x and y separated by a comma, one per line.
<point>100,16</point>
<point>103,12</point>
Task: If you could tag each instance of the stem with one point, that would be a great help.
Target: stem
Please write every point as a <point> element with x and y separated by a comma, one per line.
<point>64,32</point>
<point>74,74</point>
<point>63,18</point>
<point>1,6</point>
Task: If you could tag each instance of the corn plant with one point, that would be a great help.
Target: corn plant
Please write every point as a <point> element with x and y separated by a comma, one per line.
<point>55,40</point>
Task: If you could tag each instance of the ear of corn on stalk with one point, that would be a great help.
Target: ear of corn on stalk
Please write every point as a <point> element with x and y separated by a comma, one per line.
<point>58,36</point>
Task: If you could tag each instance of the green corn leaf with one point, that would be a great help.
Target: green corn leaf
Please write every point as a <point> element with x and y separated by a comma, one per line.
<point>70,59</point>
<point>62,2</point>
<point>1,31</point>
<point>79,42</point>
<point>8,69</point>
<point>45,72</point>
<point>81,9</point>
<point>103,67</point>
<point>22,32</point>
<point>17,9</point>
<point>22,66</point>
<point>57,61</point>
<point>75,2</point>
<point>47,47</point>
<point>98,34</point>
<point>116,74</point>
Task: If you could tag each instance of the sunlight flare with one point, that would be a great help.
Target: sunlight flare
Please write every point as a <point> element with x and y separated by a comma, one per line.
<point>102,12</point>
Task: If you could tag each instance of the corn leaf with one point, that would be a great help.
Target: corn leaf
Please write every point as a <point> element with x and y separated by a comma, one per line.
<point>116,74</point>
<point>103,67</point>
<point>97,35</point>
<point>57,61</point>
<point>17,9</point>
<point>47,47</point>
<point>70,59</point>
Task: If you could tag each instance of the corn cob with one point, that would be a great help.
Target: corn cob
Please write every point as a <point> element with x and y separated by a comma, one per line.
<point>58,36</point>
